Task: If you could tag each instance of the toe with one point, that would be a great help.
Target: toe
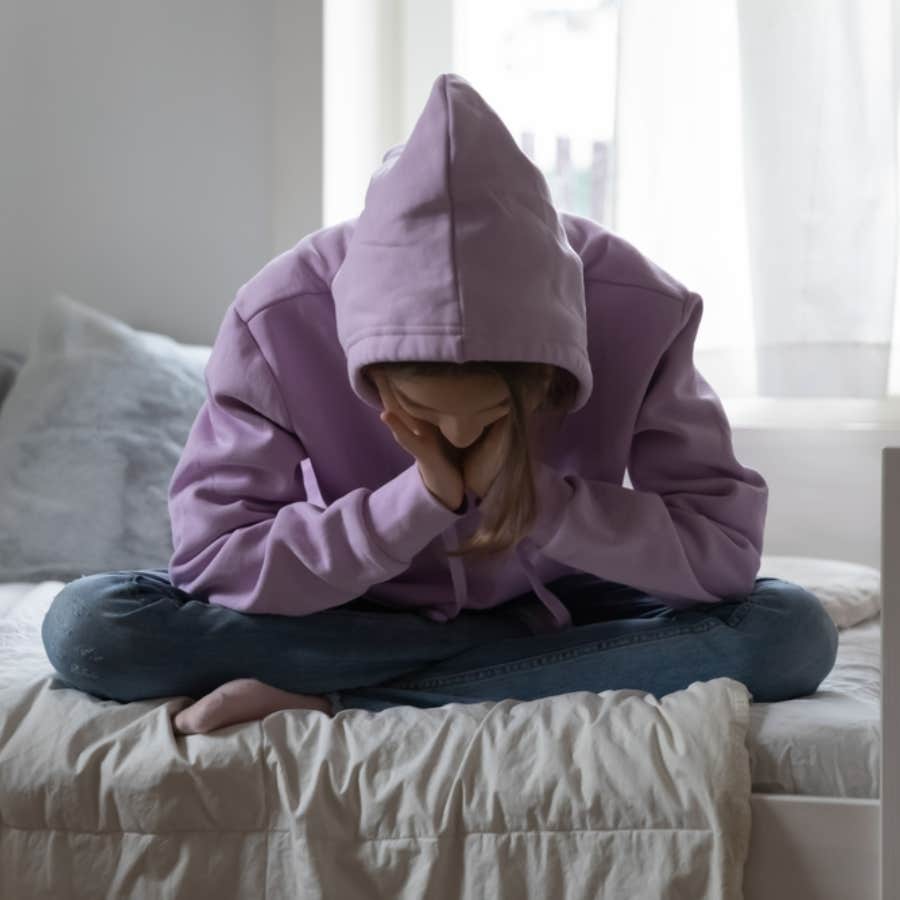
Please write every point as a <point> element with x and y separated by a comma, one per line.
<point>200,717</point>
<point>182,724</point>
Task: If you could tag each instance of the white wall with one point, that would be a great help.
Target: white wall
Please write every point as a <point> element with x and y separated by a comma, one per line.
<point>824,488</point>
<point>155,155</point>
<point>822,460</point>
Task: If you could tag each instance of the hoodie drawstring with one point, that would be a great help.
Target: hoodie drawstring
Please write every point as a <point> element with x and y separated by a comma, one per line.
<point>457,570</point>
<point>559,614</point>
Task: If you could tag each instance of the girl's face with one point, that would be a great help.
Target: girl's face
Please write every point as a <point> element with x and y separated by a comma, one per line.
<point>461,407</point>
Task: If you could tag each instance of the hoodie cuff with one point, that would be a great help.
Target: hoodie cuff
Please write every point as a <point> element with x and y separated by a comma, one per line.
<point>405,516</point>
<point>554,493</point>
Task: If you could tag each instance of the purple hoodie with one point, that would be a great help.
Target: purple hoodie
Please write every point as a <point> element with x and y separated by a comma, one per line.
<point>292,496</point>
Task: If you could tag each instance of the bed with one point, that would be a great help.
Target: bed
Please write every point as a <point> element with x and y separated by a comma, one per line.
<point>787,800</point>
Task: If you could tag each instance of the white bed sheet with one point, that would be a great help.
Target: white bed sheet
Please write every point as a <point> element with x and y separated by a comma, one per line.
<point>828,744</point>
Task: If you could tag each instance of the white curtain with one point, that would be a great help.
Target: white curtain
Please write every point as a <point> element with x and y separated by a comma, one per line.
<point>757,161</point>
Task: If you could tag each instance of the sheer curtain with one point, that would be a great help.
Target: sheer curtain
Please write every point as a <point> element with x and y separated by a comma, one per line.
<point>756,159</point>
<point>749,147</point>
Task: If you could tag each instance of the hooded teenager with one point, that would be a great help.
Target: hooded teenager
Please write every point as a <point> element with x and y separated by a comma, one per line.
<point>406,482</point>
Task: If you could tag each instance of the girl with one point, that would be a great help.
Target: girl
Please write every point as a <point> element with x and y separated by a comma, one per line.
<point>467,373</point>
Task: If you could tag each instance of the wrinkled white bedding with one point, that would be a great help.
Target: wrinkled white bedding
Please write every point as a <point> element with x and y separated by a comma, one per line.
<point>613,794</point>
<point>828,744</point>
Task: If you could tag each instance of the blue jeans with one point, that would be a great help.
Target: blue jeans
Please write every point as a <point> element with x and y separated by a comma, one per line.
<point>131,635</point>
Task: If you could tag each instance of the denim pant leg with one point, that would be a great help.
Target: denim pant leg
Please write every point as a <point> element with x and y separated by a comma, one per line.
<point>132,635</point>
<point>779,641</point>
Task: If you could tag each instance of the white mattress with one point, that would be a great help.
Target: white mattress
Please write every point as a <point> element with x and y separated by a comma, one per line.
<point>828,744</point>
<point>824,745</point>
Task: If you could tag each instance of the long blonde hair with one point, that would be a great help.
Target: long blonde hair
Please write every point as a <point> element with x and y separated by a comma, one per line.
<point>511,507</point>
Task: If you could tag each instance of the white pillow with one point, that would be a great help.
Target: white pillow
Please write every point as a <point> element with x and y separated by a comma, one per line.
<point>849,591</point>
<point>90,433</point>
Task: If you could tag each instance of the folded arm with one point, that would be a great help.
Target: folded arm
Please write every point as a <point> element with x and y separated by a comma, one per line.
<point>692,529</point>
<point>244,533</point>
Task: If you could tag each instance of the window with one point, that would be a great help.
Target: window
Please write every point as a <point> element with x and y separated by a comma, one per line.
<point>524,56</point>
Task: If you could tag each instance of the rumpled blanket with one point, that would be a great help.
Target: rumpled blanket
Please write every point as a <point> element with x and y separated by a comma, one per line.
<point>581,795</point>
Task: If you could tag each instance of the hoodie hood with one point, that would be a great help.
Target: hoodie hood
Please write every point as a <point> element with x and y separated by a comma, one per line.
<point>459,253</point>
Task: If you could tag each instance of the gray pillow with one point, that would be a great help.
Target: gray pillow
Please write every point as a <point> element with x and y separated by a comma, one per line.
<point>90,433</point>
<point>10,363</point>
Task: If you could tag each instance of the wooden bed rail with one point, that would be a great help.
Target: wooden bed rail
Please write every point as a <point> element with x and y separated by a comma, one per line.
<point>890,673</point>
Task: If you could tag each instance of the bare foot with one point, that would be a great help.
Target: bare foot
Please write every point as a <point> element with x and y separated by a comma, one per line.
<point>242,700</point>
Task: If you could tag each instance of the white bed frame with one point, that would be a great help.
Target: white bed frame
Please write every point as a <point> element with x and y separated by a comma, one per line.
<point>835,848</point>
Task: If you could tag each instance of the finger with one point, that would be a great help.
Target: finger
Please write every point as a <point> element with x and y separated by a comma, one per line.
<point>398,427</point>
<point>393,421</point>
<point>398,432</point>
<point>389,400</point>
<point>412,424</point>
<point>387,393</point>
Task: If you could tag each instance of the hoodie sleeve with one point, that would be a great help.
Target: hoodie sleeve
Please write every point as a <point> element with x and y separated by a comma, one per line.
<point>692,529</point>
<point>244,534</point>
